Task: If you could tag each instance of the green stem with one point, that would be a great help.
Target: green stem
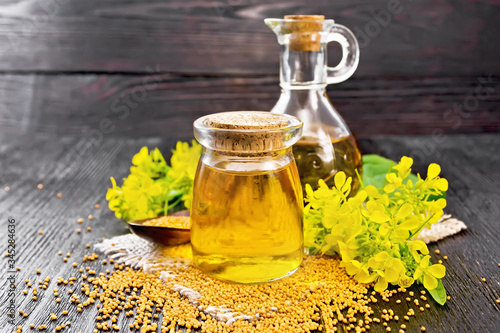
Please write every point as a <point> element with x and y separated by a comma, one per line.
<point>175,203</point>
<point>360,178</point>
<point>419,228</point>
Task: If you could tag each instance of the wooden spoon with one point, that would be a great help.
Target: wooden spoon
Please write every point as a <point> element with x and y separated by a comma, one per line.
<point>162,235</point>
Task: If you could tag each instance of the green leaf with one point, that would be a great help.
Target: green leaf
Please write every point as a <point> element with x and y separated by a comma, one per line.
<point>439,293</point>
<point>376,167</point>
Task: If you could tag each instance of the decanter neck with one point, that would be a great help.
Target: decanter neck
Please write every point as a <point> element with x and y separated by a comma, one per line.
<point>303,70</point>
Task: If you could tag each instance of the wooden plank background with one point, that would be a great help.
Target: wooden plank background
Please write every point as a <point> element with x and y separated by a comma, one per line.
<point>151,67</point>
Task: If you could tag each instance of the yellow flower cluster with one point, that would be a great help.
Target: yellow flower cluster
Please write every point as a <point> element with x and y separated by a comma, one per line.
<point>374,230</point>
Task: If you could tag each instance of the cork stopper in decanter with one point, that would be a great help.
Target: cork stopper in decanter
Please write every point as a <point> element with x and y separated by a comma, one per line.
<point>305,32</point>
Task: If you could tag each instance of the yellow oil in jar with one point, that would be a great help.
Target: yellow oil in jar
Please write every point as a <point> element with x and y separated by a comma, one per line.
<point>247,225</point>
<point>316,162</point>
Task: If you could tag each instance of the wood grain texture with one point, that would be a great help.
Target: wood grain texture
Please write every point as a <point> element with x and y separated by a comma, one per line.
<point>421,38</point>
<point>471,163</point>
<point>166,105</point>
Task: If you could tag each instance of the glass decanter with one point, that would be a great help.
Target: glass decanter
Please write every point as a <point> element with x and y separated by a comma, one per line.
<point>327,145</point>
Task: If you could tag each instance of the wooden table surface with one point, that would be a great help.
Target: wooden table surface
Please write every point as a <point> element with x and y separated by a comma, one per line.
<point>471,163</point>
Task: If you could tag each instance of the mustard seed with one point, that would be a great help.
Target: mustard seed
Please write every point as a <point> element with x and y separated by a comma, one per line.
<point>91,217</point>
<point>7,189</point>
<point>96,206</point>
<point>59,195</point>
<point>39,186</point>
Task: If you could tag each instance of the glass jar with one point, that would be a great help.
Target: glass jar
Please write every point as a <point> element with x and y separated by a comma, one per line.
<point>327,144</point>
<point>246,216</point>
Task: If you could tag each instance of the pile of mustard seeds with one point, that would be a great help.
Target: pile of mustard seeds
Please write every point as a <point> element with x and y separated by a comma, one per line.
<point>320,296</point>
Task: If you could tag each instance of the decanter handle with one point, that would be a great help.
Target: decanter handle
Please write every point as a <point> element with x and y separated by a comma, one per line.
<point>350,54</point>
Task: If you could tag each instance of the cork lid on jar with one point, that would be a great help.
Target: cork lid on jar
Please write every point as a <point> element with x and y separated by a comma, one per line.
<point>247,131</point>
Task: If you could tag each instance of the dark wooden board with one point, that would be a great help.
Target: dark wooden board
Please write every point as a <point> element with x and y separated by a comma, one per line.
<point>102,105</point>
<point>421,38</point>
<point>471,163</point>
